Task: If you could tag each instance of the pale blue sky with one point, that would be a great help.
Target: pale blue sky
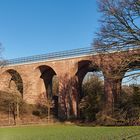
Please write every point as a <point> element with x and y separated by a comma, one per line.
<point>29,27</point>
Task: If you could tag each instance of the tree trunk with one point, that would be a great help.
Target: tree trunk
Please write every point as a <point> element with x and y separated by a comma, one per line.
<point>49,113</point>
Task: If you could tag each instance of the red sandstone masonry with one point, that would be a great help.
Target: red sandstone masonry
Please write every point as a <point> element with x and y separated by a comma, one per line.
<point>33,85</point>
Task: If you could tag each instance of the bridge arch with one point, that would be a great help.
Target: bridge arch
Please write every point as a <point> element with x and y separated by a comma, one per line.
<point>76,94</point>
<point>85,67</point>
<point>48,85</point>
<point>113,78</point>
<point>12,80</point>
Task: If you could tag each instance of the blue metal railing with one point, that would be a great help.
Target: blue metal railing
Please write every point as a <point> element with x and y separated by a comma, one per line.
<point>63,54</point>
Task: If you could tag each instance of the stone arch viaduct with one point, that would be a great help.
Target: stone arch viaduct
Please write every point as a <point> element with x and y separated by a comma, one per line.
<point>34,75</point>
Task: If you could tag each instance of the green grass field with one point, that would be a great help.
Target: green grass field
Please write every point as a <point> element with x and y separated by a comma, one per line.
<point>66,132</point>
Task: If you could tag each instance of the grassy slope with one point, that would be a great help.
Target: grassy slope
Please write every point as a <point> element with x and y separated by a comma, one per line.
<point>61,132</point>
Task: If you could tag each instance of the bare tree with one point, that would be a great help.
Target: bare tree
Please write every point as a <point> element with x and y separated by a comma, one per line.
<point>119,31</point>
<point>11,102</point>
<point>45,102</point>
<point>119,24</point>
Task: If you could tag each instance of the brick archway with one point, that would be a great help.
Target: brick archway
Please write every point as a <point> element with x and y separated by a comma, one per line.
<point>84,67</point>
<point>48,85</point>
<point>12,80</point>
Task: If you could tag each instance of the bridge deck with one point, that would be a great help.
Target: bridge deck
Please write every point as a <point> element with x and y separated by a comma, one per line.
<point>62,55</point>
